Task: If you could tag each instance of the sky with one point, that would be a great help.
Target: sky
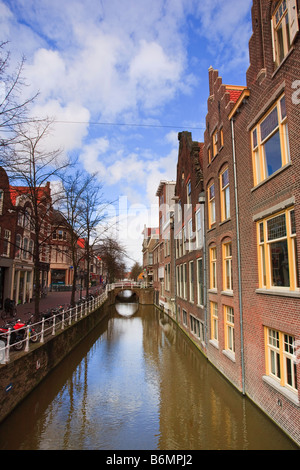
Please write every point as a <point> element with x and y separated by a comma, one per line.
<point>121,78</point>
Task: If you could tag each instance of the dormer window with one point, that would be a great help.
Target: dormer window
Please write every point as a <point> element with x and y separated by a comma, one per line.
<point>284,29</point>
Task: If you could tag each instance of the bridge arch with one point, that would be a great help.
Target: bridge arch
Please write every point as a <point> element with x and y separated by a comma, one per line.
<point>126,295</point>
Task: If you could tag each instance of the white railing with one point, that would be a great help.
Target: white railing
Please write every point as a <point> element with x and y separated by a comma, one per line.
<point>127,284</point>
<point>48,326</point>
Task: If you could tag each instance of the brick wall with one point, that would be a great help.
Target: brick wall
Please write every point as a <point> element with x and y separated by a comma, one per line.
<point>271,308</point>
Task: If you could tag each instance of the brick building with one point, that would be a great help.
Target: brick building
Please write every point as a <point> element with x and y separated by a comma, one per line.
<point>224,346</point>
<point>266,126</point>
<point>188,234</point>
<point>165,194</point>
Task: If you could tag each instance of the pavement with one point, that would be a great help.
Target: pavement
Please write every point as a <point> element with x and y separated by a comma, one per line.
<point>52,299</point>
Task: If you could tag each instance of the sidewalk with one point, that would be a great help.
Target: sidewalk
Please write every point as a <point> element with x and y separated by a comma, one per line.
<point>53,299</point>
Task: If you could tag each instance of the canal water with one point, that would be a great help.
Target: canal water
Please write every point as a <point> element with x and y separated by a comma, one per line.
<point>138,383</point>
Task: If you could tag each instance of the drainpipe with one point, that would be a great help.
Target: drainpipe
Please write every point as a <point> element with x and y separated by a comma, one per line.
<point>238,256</point>
<point>201,200</point>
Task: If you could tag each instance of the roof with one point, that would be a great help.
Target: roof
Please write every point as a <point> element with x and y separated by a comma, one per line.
<point>234,92</point>
<point>16,191</point>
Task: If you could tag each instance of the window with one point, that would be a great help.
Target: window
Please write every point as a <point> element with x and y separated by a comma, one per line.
<point>181,280</point>
<point>281,358</point>
<point>227,266</point>
<point>185,281</point>
<point>18,246</point>
<point>229,329</point>
<point>189,192</point>
<point>27,219</point>
<point>184,317</point>
<point>277,251</point>
<point>199,232</point>
<point>221,138</point>
<point>211,205</point>
<point>215,143</point>
<point>214,320</point>
<point>6,243</point>
<point>178,280</point>
<point>1,201</point>
<point>191,279</point>
<point>213,267</point>
<point>200,287</point>
<point>191,235</point>
<point>30,254</point>
<point>209,154</point>
<point>284,29</point>
<point>270,149</point>
<point>196,327</point>
<point>25,248</point>
<point>225,197</point>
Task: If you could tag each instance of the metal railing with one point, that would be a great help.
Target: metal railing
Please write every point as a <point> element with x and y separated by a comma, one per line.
<point>128,284</point>
<point>21,338</point>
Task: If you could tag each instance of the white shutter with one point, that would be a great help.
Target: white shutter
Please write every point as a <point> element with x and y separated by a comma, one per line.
<point>293,19</point>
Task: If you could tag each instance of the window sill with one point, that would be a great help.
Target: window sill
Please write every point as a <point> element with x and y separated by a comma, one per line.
<point>279,292</point>
<point>291,396</point>
<point>278,67</point>
<point>225,221</point>
<point>229,354</point>
<point>212,291</point>
<point>229,293</point>
<point>271,176</point>
<point>214,343</point>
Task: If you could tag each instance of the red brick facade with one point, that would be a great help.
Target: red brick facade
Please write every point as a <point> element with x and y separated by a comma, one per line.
<point>224,347</point>
<point>248,171</point>
<point>190,312</point>
<point>271,301</point>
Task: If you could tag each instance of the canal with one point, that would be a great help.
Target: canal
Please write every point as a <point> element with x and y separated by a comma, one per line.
<point>137,382</point>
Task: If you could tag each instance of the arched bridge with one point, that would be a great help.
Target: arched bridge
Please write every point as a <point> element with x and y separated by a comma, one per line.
<point>126,291</point>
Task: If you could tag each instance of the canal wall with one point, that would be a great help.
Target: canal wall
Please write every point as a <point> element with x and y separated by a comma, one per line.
<point>25,371</point>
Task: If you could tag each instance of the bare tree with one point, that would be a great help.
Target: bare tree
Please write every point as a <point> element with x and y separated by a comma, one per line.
<point>31,167</point>
<point>70,207</point>
<point>113,255</point>
<point>136,270</point>
<point>13,107</point>
<point>84,210</point>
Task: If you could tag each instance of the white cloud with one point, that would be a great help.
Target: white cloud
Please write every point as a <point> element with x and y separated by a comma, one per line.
<point>70,126</point>
<point>91,156</point>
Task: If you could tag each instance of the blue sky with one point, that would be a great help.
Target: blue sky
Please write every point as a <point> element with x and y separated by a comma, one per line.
<point>122,78</point>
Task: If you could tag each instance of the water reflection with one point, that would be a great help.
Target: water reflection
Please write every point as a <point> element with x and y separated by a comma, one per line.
<point>127,310</point>
<point>137,382</point>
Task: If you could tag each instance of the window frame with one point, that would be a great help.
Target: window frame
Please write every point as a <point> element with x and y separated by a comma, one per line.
<point>265,275</point>
<point>258,144</point>
<point>277,358</point>
<point>200,282</point>
<point>229,332</point>
<point>211,205</point>
<point>215,143</point>
<point>213,268</point>
<point>227,266</point>
<point>214,321</point>
<point>224,191</point>
<point>191,282</point>
<point>284,19</point>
